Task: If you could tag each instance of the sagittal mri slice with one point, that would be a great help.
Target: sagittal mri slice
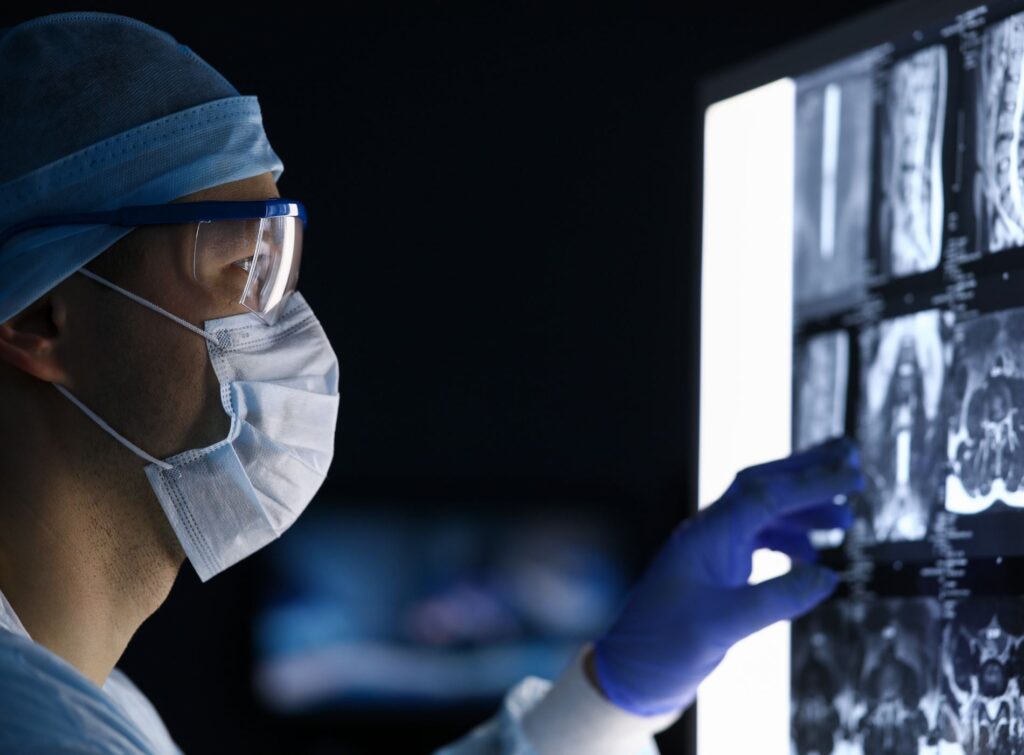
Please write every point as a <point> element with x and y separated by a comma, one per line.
<point>904,362</point>
<point>833,180</point>
<point>822,373</point>
<point>1000,112</point>
<point>911,181</point>
<point>986,437</point>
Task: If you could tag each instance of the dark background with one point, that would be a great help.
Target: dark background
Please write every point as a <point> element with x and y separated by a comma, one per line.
<point>500,248</point>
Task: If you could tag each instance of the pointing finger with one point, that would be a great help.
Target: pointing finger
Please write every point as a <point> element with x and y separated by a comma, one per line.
<point>827,516</point>
<point>757,504</point>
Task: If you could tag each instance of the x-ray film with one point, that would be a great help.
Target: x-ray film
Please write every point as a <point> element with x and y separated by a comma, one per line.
<point>822,374</point>
<point>921,214</point>
<point>1000,112</point>
<point>866,678</point>
<point>833,142</point>
<point>892,677</point>
<point>901,428</point>
<point>986,436</point>
<point>911,181</point>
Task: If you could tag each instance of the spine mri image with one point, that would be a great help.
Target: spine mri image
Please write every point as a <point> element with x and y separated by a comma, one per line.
<point>1000,112</point>
<point>911,171</point>
<point>902,429</point>
<point>890,677</point>
<point>986,438</point>
<point>908,304</point>
<point>831,204</point>
<point>822,369</point>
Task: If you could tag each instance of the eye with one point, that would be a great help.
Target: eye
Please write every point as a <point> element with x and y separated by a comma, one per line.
<point>245,264</point>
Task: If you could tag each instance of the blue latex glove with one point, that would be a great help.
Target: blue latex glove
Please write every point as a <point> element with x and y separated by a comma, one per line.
<point>694,601</point>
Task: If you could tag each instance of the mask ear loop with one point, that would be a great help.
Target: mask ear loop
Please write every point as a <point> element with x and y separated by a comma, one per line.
<point>95,418</point>
<point>89,412</point>
<point>136,298</point>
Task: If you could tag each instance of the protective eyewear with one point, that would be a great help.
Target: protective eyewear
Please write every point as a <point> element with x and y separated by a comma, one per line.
<point>247,250</point>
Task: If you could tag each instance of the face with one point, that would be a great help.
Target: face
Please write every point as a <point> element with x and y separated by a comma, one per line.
<point>148,377</point>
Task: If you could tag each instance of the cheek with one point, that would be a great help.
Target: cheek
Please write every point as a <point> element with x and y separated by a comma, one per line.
<point>191,414</point>
<point>156,383</point>
<point>147,376</point>
<point>214,423</point>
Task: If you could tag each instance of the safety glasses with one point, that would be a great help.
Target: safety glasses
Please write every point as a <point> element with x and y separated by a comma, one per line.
<point>247,250</point>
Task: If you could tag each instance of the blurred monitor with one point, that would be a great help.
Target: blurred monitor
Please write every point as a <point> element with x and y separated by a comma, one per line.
<point>384,606</point>
<point>862,244</point>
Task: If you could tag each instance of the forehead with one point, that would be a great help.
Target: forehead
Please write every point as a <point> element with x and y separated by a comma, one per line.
<point>261,186</point>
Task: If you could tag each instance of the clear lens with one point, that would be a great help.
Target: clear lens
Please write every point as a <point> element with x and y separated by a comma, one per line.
<point>254,262</point>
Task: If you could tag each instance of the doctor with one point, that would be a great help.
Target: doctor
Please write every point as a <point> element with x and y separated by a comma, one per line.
<point>169,395</point>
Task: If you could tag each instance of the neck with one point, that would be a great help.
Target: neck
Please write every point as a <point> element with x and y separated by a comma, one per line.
<point>81,565</point>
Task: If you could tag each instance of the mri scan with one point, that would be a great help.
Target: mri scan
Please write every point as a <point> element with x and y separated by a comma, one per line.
<point>922,648</point>
<point>822,371</point>
<point>911,183</point>
<point>986,435</point>
<point>1000,112</point>
<point>891,677</point>
<point>866,678</point>
<point>832,181</point>
<point>904,362</point>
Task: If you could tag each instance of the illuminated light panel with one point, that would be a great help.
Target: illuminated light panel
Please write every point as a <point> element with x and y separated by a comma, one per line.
<point>746,379</point>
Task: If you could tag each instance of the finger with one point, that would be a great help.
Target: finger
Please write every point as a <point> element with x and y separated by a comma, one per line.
<point>797,493</point>
<point>827,516</point>
<point>835,452</point>
<point>827,459</point>
<point>729,530</point>
<point>762,495</point>
<point>779,599</point>
<point>758,504</point>
<point>794,544</point>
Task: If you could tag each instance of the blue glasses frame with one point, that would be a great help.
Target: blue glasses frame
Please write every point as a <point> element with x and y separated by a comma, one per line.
<point>162,214</point>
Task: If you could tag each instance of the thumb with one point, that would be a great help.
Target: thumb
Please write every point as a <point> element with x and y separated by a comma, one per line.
<point>782,598</point>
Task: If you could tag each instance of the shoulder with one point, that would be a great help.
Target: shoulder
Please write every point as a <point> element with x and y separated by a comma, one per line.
<point>47,706</point>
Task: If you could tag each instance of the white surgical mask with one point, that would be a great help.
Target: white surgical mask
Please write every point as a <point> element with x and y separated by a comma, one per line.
<point>279,385</point>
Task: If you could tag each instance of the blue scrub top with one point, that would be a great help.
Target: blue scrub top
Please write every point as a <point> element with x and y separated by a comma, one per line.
<point>49,706</point>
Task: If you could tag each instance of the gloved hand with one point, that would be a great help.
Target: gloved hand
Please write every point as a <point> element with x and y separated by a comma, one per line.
<point>694,601</point>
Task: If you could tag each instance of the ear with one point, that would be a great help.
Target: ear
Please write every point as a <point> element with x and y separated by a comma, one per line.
<point>29,340</point>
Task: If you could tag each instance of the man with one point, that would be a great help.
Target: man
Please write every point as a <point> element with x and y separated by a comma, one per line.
<point>167,395</point>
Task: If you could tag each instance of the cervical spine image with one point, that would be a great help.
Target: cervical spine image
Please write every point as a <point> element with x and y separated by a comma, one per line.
<point>1000,111</point>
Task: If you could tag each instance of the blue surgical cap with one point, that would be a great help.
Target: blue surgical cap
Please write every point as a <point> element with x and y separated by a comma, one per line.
<point>99,111</point>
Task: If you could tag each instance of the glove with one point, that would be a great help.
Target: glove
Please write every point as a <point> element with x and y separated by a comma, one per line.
<point>694,602</point>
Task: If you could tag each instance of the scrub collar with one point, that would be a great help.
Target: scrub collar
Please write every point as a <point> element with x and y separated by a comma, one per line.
<point>9,619</point>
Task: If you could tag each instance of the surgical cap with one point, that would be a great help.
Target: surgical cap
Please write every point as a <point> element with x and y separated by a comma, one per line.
<point>99,111</point>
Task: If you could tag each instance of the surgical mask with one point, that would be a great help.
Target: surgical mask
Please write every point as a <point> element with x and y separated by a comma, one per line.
<point>279,385</point>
